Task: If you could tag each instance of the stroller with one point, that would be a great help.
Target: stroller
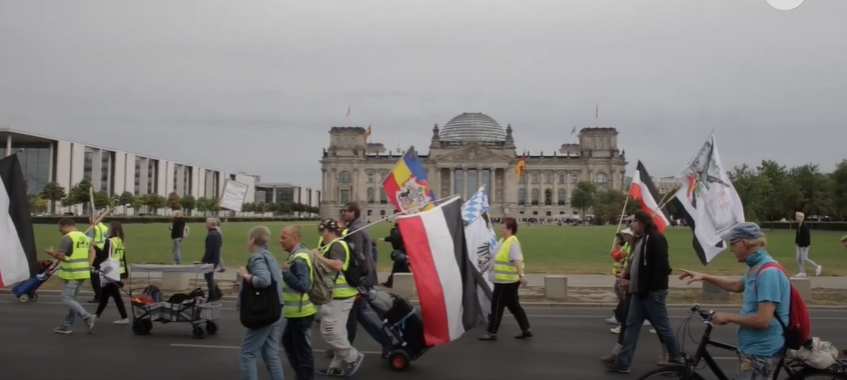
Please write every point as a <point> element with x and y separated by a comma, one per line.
<point>401,322</point>
<point>25,291</point>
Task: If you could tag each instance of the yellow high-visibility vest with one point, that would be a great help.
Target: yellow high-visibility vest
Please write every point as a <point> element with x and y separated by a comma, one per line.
<point>117,246</point>
<point>619,265</point>
<point>100,233</point>
<point>321,239</point>
<point>296,304</point>
<point>75,266</point>
<point>504,270</point>
<point>342,289</point>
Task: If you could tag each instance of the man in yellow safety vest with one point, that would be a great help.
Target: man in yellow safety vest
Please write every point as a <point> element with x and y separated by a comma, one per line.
<point>299,311</point>
<point>76,255</point>
<point>97,234</point>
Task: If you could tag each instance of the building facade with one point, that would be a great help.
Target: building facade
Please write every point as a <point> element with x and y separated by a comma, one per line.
<point>46,159</point>
<point>281,192</point>
<point>472,150</point>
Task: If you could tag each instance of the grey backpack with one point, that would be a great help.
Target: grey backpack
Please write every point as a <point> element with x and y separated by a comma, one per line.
<point>322,284</point>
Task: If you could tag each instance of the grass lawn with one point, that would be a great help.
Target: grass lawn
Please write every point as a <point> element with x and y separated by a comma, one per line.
<point>547,249</point>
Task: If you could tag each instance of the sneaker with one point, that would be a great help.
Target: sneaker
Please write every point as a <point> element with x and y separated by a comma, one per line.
<point>818,270</point>
<point>612,320</point>
<point>618,370</point>
<point>609,359</point>
<point>63,330</point>
<point>616,330</point>
<point>90,322</point>
<point>124,321</point>
<point>354,366</point>
<point>801,274</point>
<point>663,361</point>
<point>646,323</point>
<point>337,372</point>
<point>652,331</point>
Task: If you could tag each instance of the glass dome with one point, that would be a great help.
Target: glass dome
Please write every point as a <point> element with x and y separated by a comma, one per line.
<point>472,127</point>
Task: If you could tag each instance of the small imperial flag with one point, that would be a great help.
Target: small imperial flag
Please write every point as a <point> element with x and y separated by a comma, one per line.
<point>446,280</point>
<point>17,250</point>
<point>520,166</point>
<point>643,189</point>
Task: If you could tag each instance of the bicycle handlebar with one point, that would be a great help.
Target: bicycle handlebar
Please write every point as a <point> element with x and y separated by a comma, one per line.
<point>705,315</point>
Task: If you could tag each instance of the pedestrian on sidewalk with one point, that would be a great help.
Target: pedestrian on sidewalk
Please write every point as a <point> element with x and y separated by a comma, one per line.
<point>803,240</point>
<point>508,275</point>
<point>212,255</point>
<point>179,231</point>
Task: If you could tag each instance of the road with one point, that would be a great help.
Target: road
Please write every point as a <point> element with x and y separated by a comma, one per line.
<point>567,344</point>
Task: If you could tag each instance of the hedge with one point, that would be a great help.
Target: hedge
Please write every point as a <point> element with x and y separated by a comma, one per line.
<point>164,219</point>
<point>820,226</point>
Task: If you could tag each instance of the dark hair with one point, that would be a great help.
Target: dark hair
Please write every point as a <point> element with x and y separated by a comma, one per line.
<point>511,224</point>
<point>116,229</point>
<point>620,236</point>
<point>67,222</point>
<point>329,225</point>
<point>644,219</point>
<point>353,206</point>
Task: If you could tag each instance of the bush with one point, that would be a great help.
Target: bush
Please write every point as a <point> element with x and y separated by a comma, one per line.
<point>164,219</point>
<point>819,226</point>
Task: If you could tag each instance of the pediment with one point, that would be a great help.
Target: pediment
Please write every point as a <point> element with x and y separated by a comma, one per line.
<point>473,153</point>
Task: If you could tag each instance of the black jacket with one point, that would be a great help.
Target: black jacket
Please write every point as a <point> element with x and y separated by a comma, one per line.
<point>804,236</point>
<point>178,228</point>
<point>395,239</point>
<point>654,266</point>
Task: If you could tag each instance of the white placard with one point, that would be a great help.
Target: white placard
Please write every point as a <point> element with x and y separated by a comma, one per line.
<point>233,195</point>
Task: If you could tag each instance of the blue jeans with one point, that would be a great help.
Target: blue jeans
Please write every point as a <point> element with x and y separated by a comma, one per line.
<point>751,367</point>
<point>653,307</point>
<point>266,341</point>
<point>177,256</point>
<point>70,288</point>
<point>297,343</point>
<point>362,313</point>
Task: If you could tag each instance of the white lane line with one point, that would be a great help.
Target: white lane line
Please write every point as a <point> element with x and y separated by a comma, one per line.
<point>239,347</point>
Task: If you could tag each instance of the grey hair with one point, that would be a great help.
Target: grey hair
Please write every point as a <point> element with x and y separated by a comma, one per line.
<point>293,230</point>
<point>213,221</point>
<point>260,235</point>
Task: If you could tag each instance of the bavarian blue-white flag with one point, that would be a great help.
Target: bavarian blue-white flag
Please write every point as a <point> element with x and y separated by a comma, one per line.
<point>481,240</point>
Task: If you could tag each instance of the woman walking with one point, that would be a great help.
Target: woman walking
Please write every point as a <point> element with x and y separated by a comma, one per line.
<point>507,276</point>
<point>113,248</point>
<point>803,240</point>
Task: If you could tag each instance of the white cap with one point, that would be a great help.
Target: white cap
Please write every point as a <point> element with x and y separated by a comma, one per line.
<point>627,231</point>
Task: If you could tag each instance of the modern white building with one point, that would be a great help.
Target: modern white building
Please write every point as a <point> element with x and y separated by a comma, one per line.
<point>47,159</point>
<point>281,192</point>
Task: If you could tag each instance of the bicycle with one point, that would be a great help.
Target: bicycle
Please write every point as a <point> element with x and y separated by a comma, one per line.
<point>796,370</point>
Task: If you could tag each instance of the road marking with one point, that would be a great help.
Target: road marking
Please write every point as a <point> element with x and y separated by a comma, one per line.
<point>239,347</point>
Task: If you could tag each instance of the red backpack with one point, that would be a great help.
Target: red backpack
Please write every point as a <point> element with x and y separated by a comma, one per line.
<point>799,326</point>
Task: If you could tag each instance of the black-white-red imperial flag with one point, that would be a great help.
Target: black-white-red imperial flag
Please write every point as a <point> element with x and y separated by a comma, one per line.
<point>17,239</point>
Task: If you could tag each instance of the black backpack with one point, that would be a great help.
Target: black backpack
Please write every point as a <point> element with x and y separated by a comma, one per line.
<point>357,269</point>
<point>260,307</point>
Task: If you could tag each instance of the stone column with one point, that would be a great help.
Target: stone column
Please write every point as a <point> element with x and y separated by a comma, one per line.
<point>9,145</point>
<point>452,181</point>
<point>464,194</point>
<point>555,196</point>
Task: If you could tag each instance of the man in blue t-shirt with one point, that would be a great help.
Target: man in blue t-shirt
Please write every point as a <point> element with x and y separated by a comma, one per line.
<point>760,335</point>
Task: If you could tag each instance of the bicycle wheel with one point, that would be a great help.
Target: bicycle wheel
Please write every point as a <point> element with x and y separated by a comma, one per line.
<point>819,375</point>
<point>676,372</point>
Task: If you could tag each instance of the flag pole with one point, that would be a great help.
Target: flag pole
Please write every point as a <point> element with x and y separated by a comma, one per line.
<point>620,220</point>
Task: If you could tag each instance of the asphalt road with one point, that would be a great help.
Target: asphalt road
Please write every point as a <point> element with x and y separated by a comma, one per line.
<point>567,344</point>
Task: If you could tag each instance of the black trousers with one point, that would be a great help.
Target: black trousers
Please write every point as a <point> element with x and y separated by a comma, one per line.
<point>621,312</point>
<point>99,258</point>
<point>505,296</point>
<point>297,344</point>
<point>399,266</point>
<point>111,290</point>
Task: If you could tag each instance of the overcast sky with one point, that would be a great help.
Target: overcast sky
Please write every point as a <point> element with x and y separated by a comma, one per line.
<point>255,85</point>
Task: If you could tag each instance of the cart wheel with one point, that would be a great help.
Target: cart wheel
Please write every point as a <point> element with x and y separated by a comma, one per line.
<point>24,298</point>
<point>33,297</point>
<point>138,327</point>
<point>211,328</point>
<point>146,326</point>
<point>197,332</point>
<point>399,360</point>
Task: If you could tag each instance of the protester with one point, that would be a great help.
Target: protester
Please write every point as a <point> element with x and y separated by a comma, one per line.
<point>766,295</point>
<point>212,255</point>
<point>803,240</point>
<point>844,241</point>
<point>507,276</point>
<point>620,254</point>
<point>97,235</point>
<point>335,256</point>
<point>76,256</point>
<point>179,231</point>
<point>262,271</point>
<point>648,285</point>
<point>114,248</point>
<point>398,254</point>
<point>299,311</point>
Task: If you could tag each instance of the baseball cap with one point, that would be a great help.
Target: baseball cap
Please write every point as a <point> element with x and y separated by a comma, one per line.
<point>627,231</point>
<point>744,231</point>
<point>330,225</point>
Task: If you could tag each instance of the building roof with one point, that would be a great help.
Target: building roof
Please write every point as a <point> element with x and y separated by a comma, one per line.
<point>476,127</point>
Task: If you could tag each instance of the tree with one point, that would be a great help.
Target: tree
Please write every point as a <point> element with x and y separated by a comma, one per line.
<point>213,206</point>
<point>155,202</point>
<point>839,184</point>
<point>188,202</point>
<point>202,205</point>
<point>138,203</point>
<point>816,189</point>
<point>173,202</point>
<point>248,207</point>
<point>126,200</point>
<point>53,192</point>
<point>101,200</point>
<point>584,197</point>
<point>79,194</point>
<point>783,194</point>
<point>37,204</point>
<point>609,206</point>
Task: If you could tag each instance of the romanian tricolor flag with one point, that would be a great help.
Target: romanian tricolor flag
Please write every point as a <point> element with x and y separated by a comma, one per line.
<point>520,165</point>
<point>407,186</point>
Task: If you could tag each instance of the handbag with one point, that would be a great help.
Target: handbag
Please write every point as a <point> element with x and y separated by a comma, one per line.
<point>110,269</point>
<point>260,307</point>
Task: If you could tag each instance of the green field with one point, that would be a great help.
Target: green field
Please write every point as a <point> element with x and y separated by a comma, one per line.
<point>547,249</point>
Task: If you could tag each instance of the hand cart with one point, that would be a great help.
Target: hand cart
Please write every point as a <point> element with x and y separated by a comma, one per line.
<point>194,310</point>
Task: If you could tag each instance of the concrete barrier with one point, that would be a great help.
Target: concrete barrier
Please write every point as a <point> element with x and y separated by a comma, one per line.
<point>556,287</point>
<point>175,281</point>
<point>804,286</point>
<point>713,293</point>
<point>404,285</point>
